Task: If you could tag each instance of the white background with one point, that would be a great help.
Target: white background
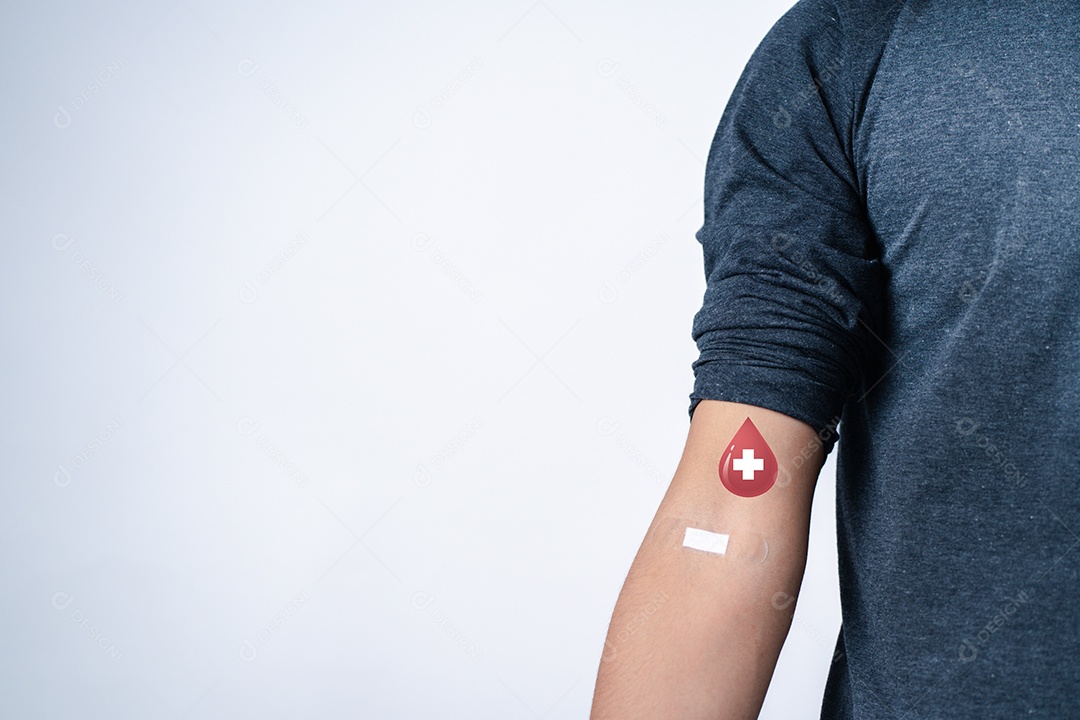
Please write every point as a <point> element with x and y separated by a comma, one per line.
<point>347,351</point>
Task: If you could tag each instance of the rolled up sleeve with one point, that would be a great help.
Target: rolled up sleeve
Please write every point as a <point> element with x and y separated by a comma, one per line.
<point>792,268</point>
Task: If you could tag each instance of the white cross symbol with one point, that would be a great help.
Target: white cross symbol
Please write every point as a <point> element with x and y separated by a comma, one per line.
<point>748,464</point>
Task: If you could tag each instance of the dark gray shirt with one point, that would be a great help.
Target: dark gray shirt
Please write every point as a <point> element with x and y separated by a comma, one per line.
<point>892,237</point>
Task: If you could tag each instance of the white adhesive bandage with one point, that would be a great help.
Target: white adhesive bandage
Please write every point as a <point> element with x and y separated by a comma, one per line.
<point>704,540</point>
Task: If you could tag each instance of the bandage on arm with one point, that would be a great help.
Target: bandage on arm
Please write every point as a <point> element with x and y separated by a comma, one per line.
<point>696,631</point>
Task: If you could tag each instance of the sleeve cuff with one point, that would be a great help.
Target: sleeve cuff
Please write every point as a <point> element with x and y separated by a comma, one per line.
<point>783,390</point>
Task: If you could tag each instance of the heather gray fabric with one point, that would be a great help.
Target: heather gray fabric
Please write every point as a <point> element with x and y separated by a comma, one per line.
<point>892,217</point>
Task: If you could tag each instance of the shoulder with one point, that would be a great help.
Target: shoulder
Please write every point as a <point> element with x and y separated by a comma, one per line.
<point>820,54</point>
<point>833,26</point>
<point>820,31</point>
<point>847,18</point>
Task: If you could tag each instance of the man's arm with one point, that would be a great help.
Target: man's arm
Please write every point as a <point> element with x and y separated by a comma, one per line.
<point>696,634</point>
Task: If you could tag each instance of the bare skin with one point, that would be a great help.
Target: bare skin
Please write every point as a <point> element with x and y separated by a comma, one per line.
<point>697,635</point>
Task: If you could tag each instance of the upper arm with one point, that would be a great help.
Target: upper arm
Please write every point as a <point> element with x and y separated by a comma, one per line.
<point>697,488</point>
<point>793,273</point>
<point>767,532</point>
<point>792,265</point>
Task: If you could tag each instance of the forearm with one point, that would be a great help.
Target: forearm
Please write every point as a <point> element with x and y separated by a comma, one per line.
<point>697,634</point>
<point>691,641</point>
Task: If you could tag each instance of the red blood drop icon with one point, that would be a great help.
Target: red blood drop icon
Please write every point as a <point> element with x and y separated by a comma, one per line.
<point>748,466</point>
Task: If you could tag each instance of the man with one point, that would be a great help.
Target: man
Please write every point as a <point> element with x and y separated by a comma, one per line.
<point>891,238</point>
